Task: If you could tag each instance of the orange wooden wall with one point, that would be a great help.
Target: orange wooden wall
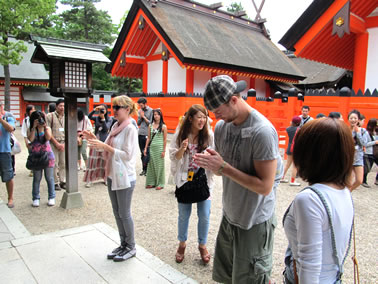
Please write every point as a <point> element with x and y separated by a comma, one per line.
<point>278,112</point>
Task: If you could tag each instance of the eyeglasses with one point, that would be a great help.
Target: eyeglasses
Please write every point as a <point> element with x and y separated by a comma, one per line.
<point>117,108</point>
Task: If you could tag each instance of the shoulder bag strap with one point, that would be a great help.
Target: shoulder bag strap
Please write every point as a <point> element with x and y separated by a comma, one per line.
<point>153,135</point>
<point>334,251</point>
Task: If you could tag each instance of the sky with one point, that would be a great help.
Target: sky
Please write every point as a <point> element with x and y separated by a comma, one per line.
<point>280,14</point>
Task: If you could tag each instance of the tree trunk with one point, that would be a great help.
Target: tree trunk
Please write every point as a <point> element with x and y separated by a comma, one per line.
<point>7,88</point>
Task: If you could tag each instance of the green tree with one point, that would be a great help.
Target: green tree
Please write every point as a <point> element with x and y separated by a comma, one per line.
<point>85,23</point>
<point>16,18</point>
<point>235,7</point>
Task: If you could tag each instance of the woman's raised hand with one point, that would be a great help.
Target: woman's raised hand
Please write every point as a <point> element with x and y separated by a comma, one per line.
<point>88,135</point>
<point>184,144</point>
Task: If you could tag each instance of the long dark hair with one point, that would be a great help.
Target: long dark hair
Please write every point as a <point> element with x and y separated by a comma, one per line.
<point>158,111</point>
<point>35,115</point>
<point>28,110</point>
<point>203,135</point>
<point>371,126</point>
<point>106,115</point>
<point>80,114</point>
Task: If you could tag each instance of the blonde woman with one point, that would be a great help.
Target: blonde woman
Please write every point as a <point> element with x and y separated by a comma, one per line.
<point>120,151</point>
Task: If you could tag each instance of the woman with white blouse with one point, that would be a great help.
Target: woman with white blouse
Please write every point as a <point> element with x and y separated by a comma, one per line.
<point>323,155</point>
<point>193,136</point>
<point>120,150</point>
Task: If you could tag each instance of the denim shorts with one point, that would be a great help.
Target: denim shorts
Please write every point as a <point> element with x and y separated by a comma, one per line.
<point>358,159</point>
<point>6,169</point>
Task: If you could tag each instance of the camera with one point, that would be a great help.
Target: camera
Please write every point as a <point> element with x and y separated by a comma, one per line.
<point>102,110</point>
<point>41,121</point>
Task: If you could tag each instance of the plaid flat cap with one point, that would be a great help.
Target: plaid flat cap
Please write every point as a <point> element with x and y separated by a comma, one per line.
<point>219,90</point>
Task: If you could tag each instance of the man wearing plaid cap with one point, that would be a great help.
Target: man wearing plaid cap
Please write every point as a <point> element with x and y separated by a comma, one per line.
<point>247,158</point>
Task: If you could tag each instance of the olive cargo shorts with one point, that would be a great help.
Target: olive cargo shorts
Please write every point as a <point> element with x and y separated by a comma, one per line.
<point>244,256</point>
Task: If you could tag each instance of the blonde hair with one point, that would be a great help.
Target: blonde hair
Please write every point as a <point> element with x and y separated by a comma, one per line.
<point>126,101</point>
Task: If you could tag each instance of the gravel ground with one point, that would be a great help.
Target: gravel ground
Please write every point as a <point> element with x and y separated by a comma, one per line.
<point>155,218</point>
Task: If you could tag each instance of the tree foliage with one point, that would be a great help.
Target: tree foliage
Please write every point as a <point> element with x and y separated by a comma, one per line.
<point>17,18</point>
<point>235,7</point>
<point>83,22</point>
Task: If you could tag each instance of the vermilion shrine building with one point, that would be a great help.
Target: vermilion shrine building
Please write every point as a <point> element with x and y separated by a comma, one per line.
<point>176,46</point>
<point>341,33</point>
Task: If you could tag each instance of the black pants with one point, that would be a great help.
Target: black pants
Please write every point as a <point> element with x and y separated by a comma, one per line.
<point>369,161</point>
<point>142,144</point>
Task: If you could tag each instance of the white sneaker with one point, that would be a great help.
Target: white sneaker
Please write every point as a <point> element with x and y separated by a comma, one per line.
<point>294,183</point>
<point>35,203</point>
<point>88,185</point>
<point>51,202</point>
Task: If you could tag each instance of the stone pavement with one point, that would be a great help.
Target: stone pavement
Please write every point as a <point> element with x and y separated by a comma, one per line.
<point>76,255</point>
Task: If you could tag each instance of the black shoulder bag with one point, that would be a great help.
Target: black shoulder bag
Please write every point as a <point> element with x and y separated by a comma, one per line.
<point>194,191</point>
<point>38,160</point>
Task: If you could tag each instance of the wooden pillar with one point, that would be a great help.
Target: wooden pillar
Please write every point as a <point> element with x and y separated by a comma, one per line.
<point>71,197</point>
<point>360,61</point>
<point>145,78</point>
<point>165,77</point>
<point>189,81</point>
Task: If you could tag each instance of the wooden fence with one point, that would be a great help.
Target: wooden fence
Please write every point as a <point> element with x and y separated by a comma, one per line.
<point>278,109</point>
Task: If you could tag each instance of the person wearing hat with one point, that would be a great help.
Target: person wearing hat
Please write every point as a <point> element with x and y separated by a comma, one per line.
<point>291,130</point>
<point>7,123</point>
<point>247,157</point>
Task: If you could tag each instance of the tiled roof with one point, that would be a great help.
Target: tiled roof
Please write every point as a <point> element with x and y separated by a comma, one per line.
<point>27,70</point>
<point>318,73</point>
<point>209,39</point>
<point>62,49</point>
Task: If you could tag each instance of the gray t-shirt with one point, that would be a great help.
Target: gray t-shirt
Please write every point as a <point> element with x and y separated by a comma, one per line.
<point>143,126</point>
<point>254,139</point>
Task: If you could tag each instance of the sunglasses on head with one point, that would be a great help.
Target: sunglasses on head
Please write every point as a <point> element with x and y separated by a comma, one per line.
<point>118,107</point>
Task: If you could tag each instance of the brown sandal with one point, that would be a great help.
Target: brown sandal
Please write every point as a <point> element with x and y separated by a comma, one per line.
<point>205,255</point>
<point>180,254</point>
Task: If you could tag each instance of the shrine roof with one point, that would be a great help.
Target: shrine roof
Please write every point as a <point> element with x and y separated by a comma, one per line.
<point>26,70</point>
<point>201,35</point>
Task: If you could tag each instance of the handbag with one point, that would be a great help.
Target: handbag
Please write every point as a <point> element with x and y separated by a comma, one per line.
<point>37,161</point>
<point>194,191</point>
<point>375,151</point>
<point>290,271</point>
<point>15,145</point>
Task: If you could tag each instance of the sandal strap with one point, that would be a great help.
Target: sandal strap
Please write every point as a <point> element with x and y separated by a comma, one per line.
<point>205,255</point>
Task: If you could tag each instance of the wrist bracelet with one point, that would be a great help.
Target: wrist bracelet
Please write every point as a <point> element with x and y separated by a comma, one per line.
<point>220,170</point>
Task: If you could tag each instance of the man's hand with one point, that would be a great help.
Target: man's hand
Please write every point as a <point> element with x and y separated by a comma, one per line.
<point>141,113</point>
<point>60,146</point>
<point>210,160</point>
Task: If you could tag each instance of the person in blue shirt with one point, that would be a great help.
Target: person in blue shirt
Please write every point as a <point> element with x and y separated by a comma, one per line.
<point>7,123</point>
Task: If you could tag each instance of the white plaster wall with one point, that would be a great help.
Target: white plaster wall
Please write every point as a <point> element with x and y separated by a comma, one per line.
<point>14,100</point>
<point>260,87</point>
<point>371,81</point>
<point>176,77</point>
<point>155,73</point>
<point>200,80</point>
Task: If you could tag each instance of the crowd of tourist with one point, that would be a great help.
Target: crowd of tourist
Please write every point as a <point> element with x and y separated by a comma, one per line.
<point>334,157</point>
